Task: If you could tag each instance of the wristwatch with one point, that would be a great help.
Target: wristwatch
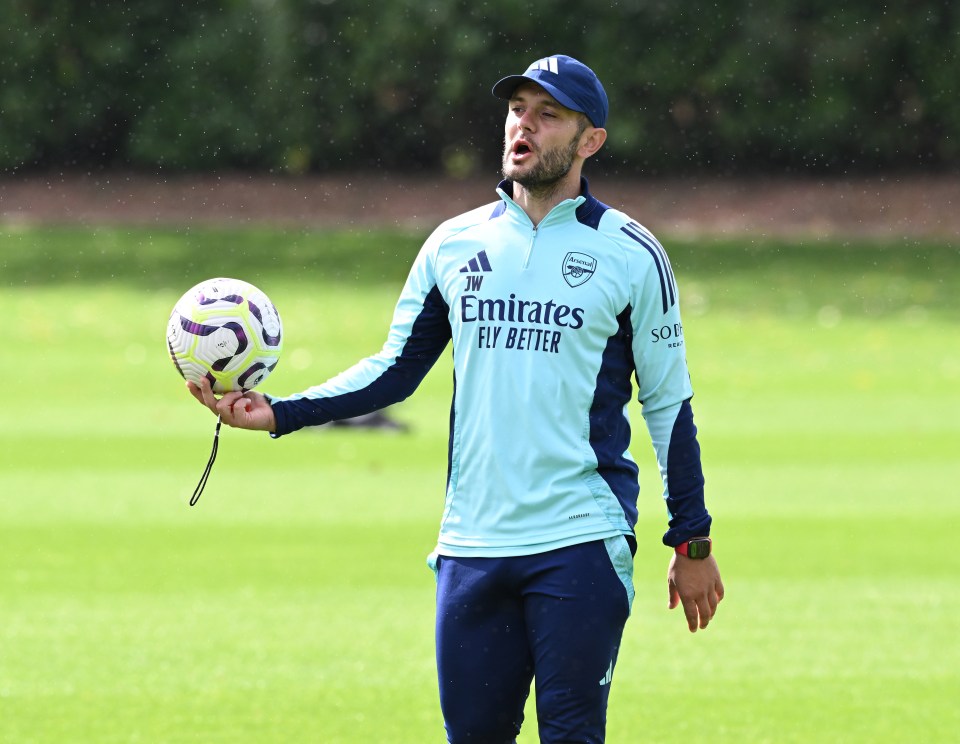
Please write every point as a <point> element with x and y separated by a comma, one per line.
<point>696,547</point>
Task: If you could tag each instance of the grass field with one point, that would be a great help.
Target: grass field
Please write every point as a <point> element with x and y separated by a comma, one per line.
<point>293,604</point>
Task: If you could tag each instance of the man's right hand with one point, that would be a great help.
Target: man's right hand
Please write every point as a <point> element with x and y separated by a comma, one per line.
<point>241,410</point>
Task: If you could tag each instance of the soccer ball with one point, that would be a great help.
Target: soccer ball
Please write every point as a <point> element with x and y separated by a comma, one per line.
<point>226,330</point>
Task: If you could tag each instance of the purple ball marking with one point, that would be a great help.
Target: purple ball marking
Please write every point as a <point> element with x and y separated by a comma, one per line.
<point>267,339</point>
<point>242,379</point>
<point>173,356</point>
<point>202,299</point>
<point>197,329</point>
<point>242,344</point>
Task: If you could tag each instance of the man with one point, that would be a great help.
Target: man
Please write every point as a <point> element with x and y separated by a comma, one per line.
<point>553,302</point>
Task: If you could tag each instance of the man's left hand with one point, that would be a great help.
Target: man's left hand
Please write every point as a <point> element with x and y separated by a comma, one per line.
<point>696,584</point>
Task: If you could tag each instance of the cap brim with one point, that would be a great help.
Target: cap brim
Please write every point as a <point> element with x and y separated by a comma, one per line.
<point>505,88</point>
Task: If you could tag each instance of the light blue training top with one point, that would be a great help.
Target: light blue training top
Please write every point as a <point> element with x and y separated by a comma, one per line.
<point>551,325</point>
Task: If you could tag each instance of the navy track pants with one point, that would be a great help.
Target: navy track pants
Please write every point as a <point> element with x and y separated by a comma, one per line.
<point>556,617</point>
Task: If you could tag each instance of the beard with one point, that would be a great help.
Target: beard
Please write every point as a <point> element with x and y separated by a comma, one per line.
<point>551,168</point>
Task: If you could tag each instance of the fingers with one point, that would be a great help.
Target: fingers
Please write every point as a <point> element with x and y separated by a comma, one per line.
<point>715,597</point>
<point>238,409</point>
<point>195,391</point>
<point>699,612</point>
<point>694,609</point>
<point>707,604</point>
<point>222,406</point>
<point>673,598</point>
<point>695,618</point>
<point>203,393</point>
<point>697,586</point>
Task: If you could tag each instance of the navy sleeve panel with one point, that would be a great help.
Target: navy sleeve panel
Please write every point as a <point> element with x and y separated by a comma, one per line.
<point>688,514</point>
<point>428,338</point>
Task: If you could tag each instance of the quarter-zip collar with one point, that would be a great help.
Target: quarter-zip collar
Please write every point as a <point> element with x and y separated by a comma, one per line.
<point>581,206</point>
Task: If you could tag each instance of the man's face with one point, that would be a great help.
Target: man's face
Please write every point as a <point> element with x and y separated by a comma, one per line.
<point>541,138</point>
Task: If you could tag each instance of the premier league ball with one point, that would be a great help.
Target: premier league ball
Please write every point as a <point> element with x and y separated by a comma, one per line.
<point>226,330</point>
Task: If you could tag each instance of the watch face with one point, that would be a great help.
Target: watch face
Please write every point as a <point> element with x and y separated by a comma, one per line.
<point>698,548</point>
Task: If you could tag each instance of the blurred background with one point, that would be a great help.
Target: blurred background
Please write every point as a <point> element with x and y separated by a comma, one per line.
<point>304,86</point>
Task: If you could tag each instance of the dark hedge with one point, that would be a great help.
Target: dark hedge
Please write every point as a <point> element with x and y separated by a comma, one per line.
<point>328,85</point>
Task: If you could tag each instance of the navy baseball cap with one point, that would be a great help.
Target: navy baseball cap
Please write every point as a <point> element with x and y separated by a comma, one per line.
<point>568,80</point>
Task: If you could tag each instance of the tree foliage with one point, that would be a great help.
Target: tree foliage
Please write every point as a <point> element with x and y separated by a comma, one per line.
<point>306,85</point>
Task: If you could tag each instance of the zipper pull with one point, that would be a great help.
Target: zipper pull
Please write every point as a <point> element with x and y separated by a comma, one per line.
<point>526,259</point>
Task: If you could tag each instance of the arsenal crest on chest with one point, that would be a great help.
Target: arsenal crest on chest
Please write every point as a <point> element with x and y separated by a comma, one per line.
<point>578,268</point>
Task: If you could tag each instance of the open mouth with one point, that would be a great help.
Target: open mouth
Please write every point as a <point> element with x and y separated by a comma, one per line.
<point>520,150</point>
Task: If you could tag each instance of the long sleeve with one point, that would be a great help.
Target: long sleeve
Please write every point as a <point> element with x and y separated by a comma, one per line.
<point>665,390</point>
<point>419,332</point>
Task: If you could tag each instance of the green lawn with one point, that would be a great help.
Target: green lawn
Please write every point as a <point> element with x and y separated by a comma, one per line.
<point>293,603</point>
